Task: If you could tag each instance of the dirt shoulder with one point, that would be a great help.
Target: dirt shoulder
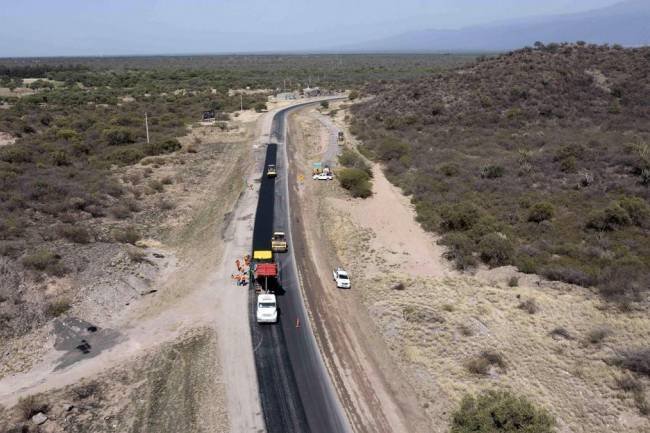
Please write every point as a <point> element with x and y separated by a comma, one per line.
<point>427,322</point>
<point>375,395</point>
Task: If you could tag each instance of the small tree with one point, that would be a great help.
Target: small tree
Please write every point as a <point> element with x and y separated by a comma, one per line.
<point>353,95</point>
<point>260,106</point>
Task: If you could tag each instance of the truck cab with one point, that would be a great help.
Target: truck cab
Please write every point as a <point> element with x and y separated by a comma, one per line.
<point>279,242</point>
<point>271,170</point>
<point>267,309</point>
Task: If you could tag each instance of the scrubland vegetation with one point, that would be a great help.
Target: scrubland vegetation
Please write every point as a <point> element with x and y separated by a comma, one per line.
<point>538,158</point>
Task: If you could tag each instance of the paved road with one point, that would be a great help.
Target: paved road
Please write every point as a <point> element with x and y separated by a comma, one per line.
<point>295,390</point>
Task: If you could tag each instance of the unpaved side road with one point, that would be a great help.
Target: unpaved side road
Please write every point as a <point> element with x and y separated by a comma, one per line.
<point>376,396</point>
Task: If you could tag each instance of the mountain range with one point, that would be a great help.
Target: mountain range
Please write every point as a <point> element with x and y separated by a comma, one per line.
<point>626,23</point>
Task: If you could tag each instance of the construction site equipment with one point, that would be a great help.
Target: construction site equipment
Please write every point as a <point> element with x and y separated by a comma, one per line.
<point>264,271</point>
<point>279,243</point>
<point>271,170</point>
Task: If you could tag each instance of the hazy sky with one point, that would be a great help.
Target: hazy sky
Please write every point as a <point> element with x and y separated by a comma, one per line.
<point>110,27</point>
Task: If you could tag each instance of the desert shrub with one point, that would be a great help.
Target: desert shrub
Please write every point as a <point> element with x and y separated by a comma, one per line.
<point>492,172</point>
<point>460,216</point>
<point>569,275</point>
<point>167,180</point>
<point>44,260</point>
<point>466,330</point>
<point>417,314</point>
<point>541,212</point>
<point>500,411</point>
<point>15,154</point>
<point>609,219</point>
<point>260,106</point>
<point>31,405</point>
<point>637,209</point>
<point>460,250</point>
<point>118,135</point>
<point>125,156</point>
<point>119,211</point>
<point>629,383</point>
<point>166,205</point>
<point>598,334</point>
<point>391,148</point>
<point>156,185</point>
<point>356,181</point>
<point>483,363</point>
<point>128,235</point>
<point>496,249</point>
<point>513,281</point>
<point>325,104</point>
<point>83,392</point>
<point>529,306</point>
<point>165,147</point>
<point>449,170</point>
<point>57,307</point>
<point>76,234</point>
<point>637,361</point>
<point>351,159</point>
<point>353,95</point>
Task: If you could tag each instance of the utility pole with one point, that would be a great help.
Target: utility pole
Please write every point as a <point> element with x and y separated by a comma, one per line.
<point>146,125</point>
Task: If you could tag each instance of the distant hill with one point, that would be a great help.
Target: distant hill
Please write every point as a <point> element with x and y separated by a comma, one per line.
<point>626,23</point>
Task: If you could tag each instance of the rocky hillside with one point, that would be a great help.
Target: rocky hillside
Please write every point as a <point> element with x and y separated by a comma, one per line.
<point>538,158</point>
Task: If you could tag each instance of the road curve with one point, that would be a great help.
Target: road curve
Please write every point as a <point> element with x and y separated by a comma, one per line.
<point>296,392</point>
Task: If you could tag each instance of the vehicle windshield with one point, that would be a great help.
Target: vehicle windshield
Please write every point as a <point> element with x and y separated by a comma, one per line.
<point>266,305</point>
<point>343,277</point>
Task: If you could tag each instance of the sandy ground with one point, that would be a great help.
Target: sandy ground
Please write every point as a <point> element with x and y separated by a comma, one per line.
<point>442,319</point>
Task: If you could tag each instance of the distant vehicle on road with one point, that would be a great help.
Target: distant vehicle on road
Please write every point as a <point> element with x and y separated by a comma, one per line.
<point>279,242</point>
<point>267,309</point>
<point>341,137</point>
<point>342,279</point>
<point>271,171</point>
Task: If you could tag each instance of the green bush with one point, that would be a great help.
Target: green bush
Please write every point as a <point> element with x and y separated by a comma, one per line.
<point>118,135</point>
<point>351,159</point>
<point>356,181</point>
<point>496,249</point>
<point>609,219</point>
<point>74,234</point>
<point>461,248</point>
<point>541,212</point>
<point>637,209</point>
<point>325,104</point>
<point>15,154</point>
<point>57,307</point>
<point>44,260</point>
<point>167,146</point>
<point>260,106</point>
<point>391,148</point>
<point>353,95</point>
<point>500,411</point>
<point>126,156</point>
<point>460,216</point>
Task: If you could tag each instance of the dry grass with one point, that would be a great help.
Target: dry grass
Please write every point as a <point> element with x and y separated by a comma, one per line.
<point>545,362</point>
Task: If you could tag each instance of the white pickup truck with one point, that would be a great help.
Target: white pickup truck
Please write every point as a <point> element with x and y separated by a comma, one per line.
<point>342,279</point>
<point>267,309</point>
<point>323,176</point>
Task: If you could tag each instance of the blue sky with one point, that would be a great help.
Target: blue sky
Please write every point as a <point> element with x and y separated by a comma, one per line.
<point>113,27</point>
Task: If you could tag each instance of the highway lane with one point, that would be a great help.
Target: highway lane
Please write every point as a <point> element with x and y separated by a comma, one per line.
<point>295,389</point>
